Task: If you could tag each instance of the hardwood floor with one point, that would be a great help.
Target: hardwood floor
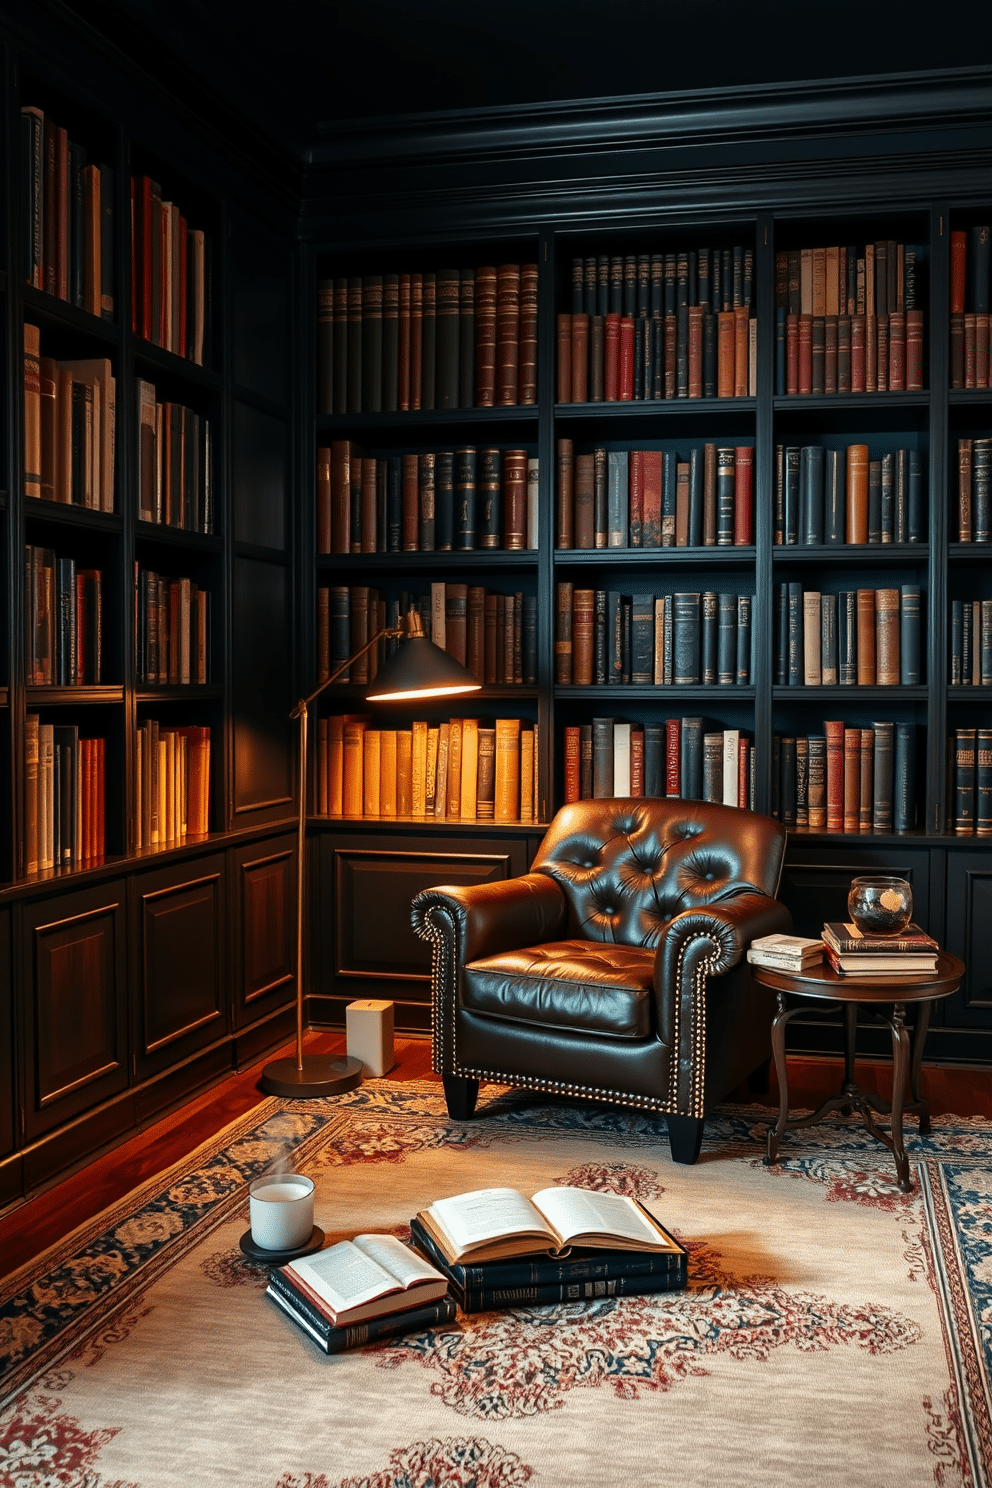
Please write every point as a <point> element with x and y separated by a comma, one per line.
<point>27,1229</point>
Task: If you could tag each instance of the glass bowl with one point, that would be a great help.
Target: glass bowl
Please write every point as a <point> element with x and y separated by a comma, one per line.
<point>879,905</point>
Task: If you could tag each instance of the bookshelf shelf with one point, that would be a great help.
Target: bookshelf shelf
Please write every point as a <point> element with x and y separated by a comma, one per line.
<point>505,419</point>
<point>619,558</point>
<point>152,361</point>
<point>57,315</point>
<point>854,694</point>
<point>481,560</point>
<point>59,514</point>
<point>80,697</point>
<point>842,555</point>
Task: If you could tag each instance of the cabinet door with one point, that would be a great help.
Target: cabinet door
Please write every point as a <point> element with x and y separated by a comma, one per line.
<point>73,967</point>
<point>180,956</point>
<point>816,880</point>
<point>366,887</point>
<point>263,885</point>
<point>969,915</point>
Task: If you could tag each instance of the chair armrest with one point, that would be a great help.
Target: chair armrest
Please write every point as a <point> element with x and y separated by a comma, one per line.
<point>486,919</point>
<point>699,944</point>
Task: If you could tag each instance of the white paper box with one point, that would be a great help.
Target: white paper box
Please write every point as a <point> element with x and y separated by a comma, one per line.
<point>369,1027</point>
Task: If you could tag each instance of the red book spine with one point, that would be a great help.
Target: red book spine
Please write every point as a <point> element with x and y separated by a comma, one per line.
<point>403,371</point>
<point>742,316</point>
<point>164,234</point>
<point>695,351</point>
<point>410,504</point>
<point>673,756</point>
<point>852,779</point>
<point>146,257</point>
<point>611,381</point>
<point>514,498</point>
<point>871,353</point>
<point>830,354</point>
<point>571,764</point>
<point>580,359</point>
<point>135,258</point>
<point>417,341</point>
<point>626,373</point>
<point>959,253</point>
<point>805,353</point>
<point>743,495</point>
<point>62,229</point>
<point>485,338</point>
<point>792,354</point>
<point>834,732</point>
<point>565,360</point>
<point>507,334</point>
<point>882,358</point>
<point>182,270</point>
<point>969,350</point>
<point>897,351</point>
<point>101,794</point>
<point>982,350</point>
<point>857,353</point>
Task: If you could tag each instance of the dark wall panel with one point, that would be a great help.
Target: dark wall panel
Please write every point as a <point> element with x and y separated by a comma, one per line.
<point>264,880</point>
<point>260,684</point>
<point>181,927</point>
<point>969,915</point>
<point>260,445</point>
<point>6,1042</point>
<point>260,305</point>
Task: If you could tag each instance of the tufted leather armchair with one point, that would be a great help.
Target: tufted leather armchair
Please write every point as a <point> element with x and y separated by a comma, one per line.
<point>615,968</point>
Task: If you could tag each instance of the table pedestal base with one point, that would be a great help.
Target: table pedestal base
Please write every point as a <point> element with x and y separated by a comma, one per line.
<point>852,1097</point>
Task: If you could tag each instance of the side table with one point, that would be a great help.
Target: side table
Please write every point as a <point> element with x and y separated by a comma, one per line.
<point>821,982</point>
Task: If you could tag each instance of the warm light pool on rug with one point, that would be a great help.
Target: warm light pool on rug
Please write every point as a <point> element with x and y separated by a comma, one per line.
<point>834,1332</point>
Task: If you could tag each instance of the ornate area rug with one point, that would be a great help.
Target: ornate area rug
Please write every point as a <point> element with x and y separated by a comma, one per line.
<point>835,1331</point>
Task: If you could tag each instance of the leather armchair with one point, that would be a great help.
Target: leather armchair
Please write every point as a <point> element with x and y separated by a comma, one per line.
<point>615,968</point>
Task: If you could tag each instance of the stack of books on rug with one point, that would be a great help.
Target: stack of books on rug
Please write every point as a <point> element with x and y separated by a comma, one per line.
<point>500,1249</point>
<point>852,952</point>
<point>360,1291</point>
<point>795,953</point>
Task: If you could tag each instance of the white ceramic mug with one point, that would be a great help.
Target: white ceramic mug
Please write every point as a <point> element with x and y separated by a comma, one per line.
<point>281,1209</point>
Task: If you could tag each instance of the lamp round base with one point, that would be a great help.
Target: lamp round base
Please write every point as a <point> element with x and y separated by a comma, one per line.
<point>320,1075</point>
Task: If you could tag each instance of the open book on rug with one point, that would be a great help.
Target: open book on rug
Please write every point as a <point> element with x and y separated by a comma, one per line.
<point>490,1223</point>
<point>364,1278</point>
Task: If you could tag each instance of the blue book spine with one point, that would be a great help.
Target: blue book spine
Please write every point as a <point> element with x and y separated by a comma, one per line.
<point>847,637</point>
<point>882,778</point>
<point>828,639</point>
<point>983,782</point>
<point>614,636</point>
<point>904,778</point>
<point>654,760</point>
<point>781,635</point>
<point>796,657</point>
<point>685,639</point>
<point>811,482</point>
<point>888,507</point>
<point>465,498</point>
<point>602,758</point>
<point>528,640</point>
<point>617,499</point>
<point>874,501</point>
<point>697,468</point>
<point>981,490</point>
<point>710,351</point>
<point>834,496</point>
<point>917,517</point>
<point>725,477</point>
<point>691,759</point>
<point>957,632</point>
<point>578,285</point>
<point>340,628</point>
<point>909,635</point>
<point>489,514</point>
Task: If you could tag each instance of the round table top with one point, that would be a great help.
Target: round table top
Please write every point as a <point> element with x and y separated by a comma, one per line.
<point>909,986</point>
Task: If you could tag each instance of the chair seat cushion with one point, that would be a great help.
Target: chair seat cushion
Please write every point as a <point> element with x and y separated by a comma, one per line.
<point>583,985</point>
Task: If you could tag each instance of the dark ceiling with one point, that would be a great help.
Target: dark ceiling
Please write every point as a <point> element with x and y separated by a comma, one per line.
<point>292,65</point>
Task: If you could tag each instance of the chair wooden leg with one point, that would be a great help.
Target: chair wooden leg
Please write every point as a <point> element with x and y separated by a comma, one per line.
<point>759,1079</point>
<point>460,1095</point>
<point>685,1137</point>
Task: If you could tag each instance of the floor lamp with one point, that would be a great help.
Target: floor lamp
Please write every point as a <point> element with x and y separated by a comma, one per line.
<point>416,669</point>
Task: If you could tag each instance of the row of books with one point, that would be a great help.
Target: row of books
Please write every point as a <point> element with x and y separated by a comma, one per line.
<point>493,634</point>
<point>859,637</point>
<point>64,796</point>
<point>69,217</point>
<point>170,275</point>
<point>434,502</point>
<point>849,353</point>
<point>835,496</point>
<point>654,498</point>
<point>460,769</point>
<point>175,469</point>
<point>450,338</point>
<point>62,620</point>
<point>696,353</point>
<point>969,781</point>
<point>683,757</point>
<point>970,351</point>
<point>171,783</point>
<point>876,279</point>
<point>846,779</point>
<point>685,639</point>
<point>69,427</point>
<point>974,490</point>
<point>971,643</point>
<point>171,630</point>
<point>714,278</point>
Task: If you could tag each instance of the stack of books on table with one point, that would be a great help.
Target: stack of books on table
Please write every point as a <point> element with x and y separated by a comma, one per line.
<point>500,1249</point>
<point>851,951</point>
<point>785,952</point>
<point>360,1291</point>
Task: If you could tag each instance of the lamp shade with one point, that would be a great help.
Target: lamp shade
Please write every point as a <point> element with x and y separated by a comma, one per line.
<point>419,669</point>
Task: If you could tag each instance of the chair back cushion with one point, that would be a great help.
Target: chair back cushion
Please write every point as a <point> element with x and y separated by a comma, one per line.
<point>628,866</point>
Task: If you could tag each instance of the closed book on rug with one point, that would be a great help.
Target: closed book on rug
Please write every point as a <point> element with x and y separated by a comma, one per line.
<point>491,1223</point>
<point>337,1340</point>
<point>540,1279</point>
<point>365,1278</point>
